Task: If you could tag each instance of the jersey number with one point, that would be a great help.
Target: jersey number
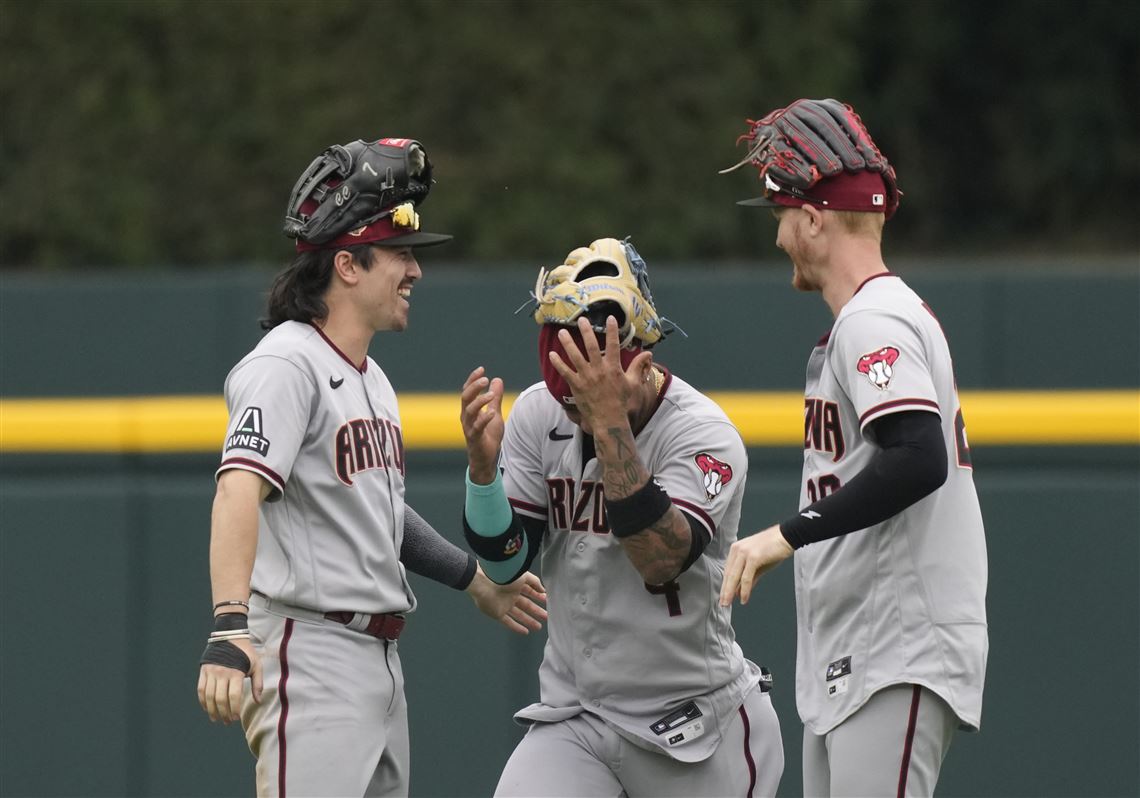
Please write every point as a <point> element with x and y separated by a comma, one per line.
<point>827,484</point>
<point>672,593</point>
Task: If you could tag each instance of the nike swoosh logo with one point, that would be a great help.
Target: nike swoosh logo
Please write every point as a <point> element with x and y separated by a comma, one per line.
<point>554,435</point>
<point>334,384</point>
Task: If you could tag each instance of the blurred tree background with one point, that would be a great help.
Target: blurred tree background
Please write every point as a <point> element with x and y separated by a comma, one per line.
<point>167,133</point>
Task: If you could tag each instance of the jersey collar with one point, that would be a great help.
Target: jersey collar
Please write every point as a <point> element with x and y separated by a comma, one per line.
<point>873,277</point>
<point>362,368</point>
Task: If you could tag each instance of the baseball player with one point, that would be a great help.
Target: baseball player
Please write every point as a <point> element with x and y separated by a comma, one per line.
<point>890,553</point>
<point>626,482</point>
<point>310,536</point>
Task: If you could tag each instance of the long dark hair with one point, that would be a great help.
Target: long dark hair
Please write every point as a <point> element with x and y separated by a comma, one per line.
<point>298,293</point>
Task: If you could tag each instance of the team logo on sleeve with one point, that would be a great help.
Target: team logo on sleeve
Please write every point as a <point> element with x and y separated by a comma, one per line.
<point>248,433</point>
<point>513,546</point>
<point>879,366</point>
<point>716,473</point>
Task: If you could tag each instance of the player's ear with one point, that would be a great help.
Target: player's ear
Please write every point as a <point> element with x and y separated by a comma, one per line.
<point>815,219</point>
<point>644,365</point>
<point>346,267</point>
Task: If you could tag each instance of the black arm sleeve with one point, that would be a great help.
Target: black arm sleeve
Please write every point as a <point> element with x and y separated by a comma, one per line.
<point>427,553</point>
<point>699,541</point>
<point>495,548</point>
<point>910,465</point>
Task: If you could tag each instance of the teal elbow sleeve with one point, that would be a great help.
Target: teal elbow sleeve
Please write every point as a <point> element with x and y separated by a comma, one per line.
<point>487,510</point>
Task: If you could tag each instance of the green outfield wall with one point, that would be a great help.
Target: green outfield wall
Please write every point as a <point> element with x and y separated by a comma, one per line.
<point>104,595</point>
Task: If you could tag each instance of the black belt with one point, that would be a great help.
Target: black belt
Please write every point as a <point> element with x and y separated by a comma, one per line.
<point>385,625</point>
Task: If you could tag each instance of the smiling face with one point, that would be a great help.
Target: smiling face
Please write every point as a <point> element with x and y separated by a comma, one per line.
<point>386,288</point>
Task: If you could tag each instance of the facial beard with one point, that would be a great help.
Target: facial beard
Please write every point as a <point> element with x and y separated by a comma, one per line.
<point>800,281</point>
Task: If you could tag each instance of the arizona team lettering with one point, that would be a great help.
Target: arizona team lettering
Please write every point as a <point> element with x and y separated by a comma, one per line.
<point>363,444</point>
<point>577,508</point>
<point>823,430</point>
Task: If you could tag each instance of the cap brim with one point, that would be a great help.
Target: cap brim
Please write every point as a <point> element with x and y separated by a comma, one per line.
<point>414,240</point>
<point>762,202</point>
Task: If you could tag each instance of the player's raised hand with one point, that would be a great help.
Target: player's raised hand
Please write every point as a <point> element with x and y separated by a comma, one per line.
<point>515,605</point>
<point>603,390</point>
<point>750,558</point>
<point>220,687</point>
<point>481,414</point>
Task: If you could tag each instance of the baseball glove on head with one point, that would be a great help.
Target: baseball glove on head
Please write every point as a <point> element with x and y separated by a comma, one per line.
<point>607,278</point>
<point>349,186</point>
<point>810,141</point>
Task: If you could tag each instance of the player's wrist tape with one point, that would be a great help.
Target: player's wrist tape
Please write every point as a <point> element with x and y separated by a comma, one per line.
<point>220,649</point>
<point>638,511</point>
<point>226,654</point>
<point>231,622</point>
<point>486,509</point>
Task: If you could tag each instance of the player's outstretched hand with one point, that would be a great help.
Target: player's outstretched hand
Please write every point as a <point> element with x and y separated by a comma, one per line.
<point>481,413</point>
<point>516,605</point>
<point>220,688</point>
<point>748,560</point>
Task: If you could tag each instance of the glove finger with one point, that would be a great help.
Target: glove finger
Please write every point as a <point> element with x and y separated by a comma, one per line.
<point>856,133</point>
<point>834,133</point>
<point>816,149</point>
<point>783,160</point>
<point>789,167</point>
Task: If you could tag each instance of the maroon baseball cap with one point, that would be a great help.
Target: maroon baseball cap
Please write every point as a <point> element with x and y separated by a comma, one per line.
<point>398,226</point>
<point>847,191</point>
<point>548,342</point>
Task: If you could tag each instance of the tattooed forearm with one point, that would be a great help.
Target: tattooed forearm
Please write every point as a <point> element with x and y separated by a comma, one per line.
<point>660,550</point>
<point>622,470</point>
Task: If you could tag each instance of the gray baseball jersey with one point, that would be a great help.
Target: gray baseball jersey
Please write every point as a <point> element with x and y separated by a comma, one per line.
<point>659,664</point>
<point>902,601</point>
<point>326,435</point>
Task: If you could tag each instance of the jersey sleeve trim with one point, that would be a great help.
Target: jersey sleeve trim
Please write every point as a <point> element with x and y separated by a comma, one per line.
<point>696,512</point>
<point>252,465</point>
<point>896,405</point>
<point>528,508</point>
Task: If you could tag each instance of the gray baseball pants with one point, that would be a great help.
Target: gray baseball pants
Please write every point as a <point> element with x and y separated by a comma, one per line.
<point>892,746</point>
<point>585,758</point>
<point>333,720</point>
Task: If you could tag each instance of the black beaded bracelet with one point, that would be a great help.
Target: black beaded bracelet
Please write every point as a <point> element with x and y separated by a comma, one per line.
<point>232,603</point>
